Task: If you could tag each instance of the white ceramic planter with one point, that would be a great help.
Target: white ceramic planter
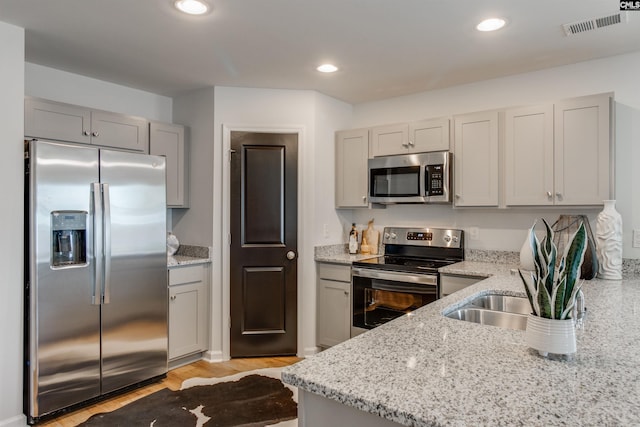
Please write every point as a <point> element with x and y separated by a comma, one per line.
<point>551,336</point>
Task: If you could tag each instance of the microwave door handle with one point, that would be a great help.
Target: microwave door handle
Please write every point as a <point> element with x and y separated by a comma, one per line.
<point>427,181</point>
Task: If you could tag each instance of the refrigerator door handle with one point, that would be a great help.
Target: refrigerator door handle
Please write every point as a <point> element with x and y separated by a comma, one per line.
<point>96,203</point>
<point>106,202</point>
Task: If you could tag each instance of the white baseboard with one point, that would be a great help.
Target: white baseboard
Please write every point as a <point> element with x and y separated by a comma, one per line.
<point>310,351</point>
<point>213,356</point>
<point>17,421</point>
<point>176,363</point>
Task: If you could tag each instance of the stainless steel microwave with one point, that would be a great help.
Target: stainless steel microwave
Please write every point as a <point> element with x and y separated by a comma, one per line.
<point>411,178</point>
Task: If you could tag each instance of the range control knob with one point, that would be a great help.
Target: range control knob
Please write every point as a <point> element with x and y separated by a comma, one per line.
<point>447,238</point>
<point>393,236</point>
<point>386,235</point>
<point>455,239</point>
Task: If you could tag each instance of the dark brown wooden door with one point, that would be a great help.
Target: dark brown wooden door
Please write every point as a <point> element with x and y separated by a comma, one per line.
<point>264,218</point>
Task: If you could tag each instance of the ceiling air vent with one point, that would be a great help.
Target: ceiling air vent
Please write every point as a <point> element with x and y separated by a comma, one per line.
<point>595,23</point>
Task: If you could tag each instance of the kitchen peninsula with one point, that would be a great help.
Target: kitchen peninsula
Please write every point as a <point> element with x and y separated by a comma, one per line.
<point>425,369</point>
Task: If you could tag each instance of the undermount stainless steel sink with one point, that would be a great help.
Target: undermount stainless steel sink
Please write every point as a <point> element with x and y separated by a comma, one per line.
<point>506,303</point>
<point>504,311</point>
<point>490,317</point>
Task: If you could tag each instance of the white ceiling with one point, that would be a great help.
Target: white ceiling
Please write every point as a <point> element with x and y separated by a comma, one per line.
<point>384,48</point>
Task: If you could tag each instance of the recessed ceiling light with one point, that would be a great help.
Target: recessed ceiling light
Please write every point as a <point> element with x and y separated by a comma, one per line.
<point>491,24</point>
<point>192,7</point>
<point>327,68</point>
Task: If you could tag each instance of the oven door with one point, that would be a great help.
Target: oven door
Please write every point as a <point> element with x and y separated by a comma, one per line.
<point>380,296</point>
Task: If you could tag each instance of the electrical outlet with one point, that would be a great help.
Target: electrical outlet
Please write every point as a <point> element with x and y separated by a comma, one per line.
<point>636,238</point>
<point>473,233</point>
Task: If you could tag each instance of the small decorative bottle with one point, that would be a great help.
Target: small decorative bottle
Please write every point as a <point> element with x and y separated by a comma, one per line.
<point>353,239</point>
<point>609,242</point>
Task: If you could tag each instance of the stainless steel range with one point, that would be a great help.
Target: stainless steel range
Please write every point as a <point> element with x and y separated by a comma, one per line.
<point>405,278</point>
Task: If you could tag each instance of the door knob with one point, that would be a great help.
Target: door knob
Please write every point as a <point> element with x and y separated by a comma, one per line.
<point>291,255</point>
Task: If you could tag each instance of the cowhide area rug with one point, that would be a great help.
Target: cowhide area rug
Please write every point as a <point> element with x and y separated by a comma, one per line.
<point>250,399</point>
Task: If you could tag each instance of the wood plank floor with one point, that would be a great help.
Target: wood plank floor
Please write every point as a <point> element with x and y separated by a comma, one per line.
<point>173,381</point>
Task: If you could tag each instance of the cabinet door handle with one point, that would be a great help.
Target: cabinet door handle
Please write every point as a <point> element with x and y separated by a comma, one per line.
<point>364,198</point>
<point>95,134</point>
<point>85,133</point>
<point>549,194</point>
<point>172,297</point>
<point>559,196</point>
<point>346,293</point>
<point>411,143</point>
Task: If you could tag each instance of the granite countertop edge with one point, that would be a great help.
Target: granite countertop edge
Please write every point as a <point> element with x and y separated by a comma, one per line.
<point>181,260</point>
<point>345,259</point>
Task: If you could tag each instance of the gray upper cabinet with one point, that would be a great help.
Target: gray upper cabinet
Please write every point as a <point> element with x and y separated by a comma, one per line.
<point>406,138</point>
<point>352,152</point>
<point>71,123</point>
<point>389,140</point>
<point>168,140</point>
<point>429,135</point>
<point>582,150</point>
<point>559,154</point>
<point>476,159</point>
<point>529,156</point>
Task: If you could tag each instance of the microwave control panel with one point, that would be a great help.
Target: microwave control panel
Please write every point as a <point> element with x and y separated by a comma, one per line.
<point>435,180</point>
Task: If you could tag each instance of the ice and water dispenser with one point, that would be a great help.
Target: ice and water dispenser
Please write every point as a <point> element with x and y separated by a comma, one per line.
<point>68,238</point>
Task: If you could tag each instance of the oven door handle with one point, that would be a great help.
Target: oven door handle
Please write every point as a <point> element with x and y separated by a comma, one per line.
<point>404,287</point>
<point>422,279</point>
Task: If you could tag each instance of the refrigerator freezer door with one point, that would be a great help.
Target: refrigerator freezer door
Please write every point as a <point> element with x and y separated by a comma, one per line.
<point>63,328</point>
<point>134,316</point>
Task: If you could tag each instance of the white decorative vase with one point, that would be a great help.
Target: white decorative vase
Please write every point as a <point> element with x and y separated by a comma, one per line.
<point>526,256</point>
<point>551,336</point>
<point>609,242</point>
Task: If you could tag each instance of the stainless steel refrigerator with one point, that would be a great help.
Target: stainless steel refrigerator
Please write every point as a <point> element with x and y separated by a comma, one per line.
<point>95,274</point>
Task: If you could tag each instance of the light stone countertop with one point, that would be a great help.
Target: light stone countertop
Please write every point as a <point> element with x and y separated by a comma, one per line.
<point>429,370</point>
<point>189,255</point>
<point>339,254</point>
<point>482,269</point>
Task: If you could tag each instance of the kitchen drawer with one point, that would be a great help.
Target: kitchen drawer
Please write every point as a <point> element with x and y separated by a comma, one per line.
<point>183,275</point>
<point>337,272</point>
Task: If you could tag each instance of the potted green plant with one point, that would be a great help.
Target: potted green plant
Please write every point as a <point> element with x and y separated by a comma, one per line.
<point>552,288</point>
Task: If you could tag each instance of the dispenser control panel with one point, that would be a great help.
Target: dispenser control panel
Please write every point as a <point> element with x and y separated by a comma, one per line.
<point>68,238</point>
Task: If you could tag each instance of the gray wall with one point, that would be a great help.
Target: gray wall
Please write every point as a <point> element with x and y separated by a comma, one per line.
<point>11,217</point>
<point>194,226</point>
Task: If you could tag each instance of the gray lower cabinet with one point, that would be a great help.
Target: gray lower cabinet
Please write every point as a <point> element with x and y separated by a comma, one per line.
<point>168,140</point>
<point>188,314</point>
<point>66,122</point>
<point>334,304</point>
<point>450,283</point>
